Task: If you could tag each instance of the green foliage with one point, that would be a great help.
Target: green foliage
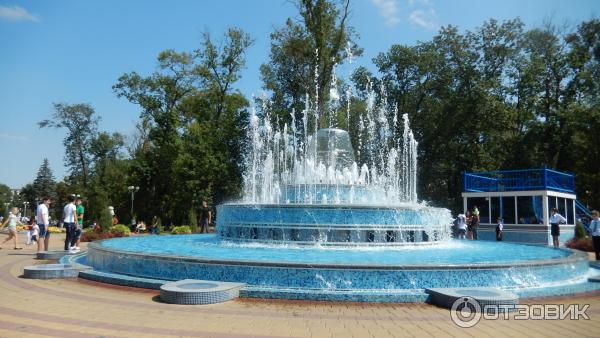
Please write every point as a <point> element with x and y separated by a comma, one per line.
<point>580,230</point>
<point>5,197</point>
<point>81,124</point>
<point>121,230</point>
<point>44,184</point>
<point>319,40</point>
<point>194,123</point>
<point>181,230</point>
<point>497,97</point>
<point>193,220</point>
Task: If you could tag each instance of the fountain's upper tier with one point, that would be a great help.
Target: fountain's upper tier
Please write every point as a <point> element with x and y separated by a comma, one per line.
<point>285,165</point>
<point>332,147</point>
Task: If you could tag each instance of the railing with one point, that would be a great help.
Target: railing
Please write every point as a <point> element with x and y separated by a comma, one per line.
<point>519,180</point>
<point>584,215</point>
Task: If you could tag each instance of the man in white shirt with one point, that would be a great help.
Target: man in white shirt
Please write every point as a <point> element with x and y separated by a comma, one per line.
<point>69,219</point>
<point>43,222</point>
<point>555,220</point>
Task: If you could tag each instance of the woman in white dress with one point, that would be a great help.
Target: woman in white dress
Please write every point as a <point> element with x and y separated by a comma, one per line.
<point>12,222</point>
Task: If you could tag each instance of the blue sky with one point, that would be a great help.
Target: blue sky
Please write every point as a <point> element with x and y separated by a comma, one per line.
<point>73,51</point>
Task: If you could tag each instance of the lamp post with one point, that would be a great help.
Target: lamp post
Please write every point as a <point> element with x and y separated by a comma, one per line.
<point>132,190</point>
<point>25,210</point>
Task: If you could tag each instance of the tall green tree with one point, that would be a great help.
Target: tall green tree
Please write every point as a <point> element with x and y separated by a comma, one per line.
<point>44,183</point>
<point>5,198</point>
<point>304,54</point>
<point>194,120</point>
<point>81,124</point>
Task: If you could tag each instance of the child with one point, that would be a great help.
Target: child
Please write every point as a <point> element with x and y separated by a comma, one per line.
<point>499,229</point>
<point>12,222</point>
<point>461,226</point>
<point>35,231</point>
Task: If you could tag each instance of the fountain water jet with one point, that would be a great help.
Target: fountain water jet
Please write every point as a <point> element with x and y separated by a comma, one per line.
<point>309,187</point>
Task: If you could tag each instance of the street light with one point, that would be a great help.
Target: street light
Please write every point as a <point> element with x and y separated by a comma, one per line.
<point>25,211</point>
<point>132,190</point>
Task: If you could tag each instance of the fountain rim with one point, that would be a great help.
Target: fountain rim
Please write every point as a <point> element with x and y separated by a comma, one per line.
<point>407,206</point>
<point>574,257</point>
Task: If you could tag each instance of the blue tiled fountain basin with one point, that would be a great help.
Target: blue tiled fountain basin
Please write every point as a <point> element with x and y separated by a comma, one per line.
<point>452,264</point>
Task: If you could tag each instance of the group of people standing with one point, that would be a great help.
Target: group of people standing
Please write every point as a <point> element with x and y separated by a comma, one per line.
<point>467,224</point>
<point>73,214</point>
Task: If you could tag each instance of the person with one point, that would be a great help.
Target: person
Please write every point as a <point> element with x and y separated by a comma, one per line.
<point>205,217</point>
<point>69,220</point>
<point>461,226</point>
<point>155,225</point>
<point>474,223</point>
<point>115,220</point>
<point>79,226</point>
<point>43,221</point>
<point>29,228</point>
<point>140,227</point>
<point>499,229</point>
<point>35,231</point>
<point>12,220</point>
<point>595,229</point>
<point>555,220</point>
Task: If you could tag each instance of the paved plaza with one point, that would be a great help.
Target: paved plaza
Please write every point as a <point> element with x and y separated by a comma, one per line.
<point>80,308</point>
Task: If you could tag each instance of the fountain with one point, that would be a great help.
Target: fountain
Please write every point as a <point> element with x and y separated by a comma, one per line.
<point>321,219</point>
<point>307,189</point>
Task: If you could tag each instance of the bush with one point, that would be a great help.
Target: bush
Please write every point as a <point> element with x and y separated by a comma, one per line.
<point>120,230</point>
<point>583,244</point>
<point>89,235</point>
<point>181,230</point>
<point>580,230</point>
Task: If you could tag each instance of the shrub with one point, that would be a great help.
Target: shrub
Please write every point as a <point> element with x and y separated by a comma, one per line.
<point>181,230</point>
<point>120,230</point>
<point>89,235</point>
<point>580,230</point>
<point>583,244</point>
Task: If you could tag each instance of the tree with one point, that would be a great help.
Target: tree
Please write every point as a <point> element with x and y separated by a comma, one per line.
<point>109,177</point>
<point>5,198</point>
<point>193,119</point>
<point>44,184</point>
<point>304,55</point>
<point>81,124</point>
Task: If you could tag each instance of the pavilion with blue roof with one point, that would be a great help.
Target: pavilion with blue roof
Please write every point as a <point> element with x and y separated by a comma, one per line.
<point>523,199</point>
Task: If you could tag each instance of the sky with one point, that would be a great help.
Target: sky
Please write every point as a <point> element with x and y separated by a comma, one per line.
<point>74,51</point>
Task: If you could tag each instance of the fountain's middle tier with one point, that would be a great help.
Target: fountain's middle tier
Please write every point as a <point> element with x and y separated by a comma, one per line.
<point>333,224</point>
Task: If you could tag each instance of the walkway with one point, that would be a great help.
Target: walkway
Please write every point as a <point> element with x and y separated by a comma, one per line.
<point>80,308</point>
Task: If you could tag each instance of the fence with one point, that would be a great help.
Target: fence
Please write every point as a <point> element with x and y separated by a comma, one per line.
<point>519,180</point>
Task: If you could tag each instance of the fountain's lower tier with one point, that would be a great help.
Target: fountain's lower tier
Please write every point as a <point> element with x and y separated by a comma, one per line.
<point>391,274</point>
<point>333,224</point>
